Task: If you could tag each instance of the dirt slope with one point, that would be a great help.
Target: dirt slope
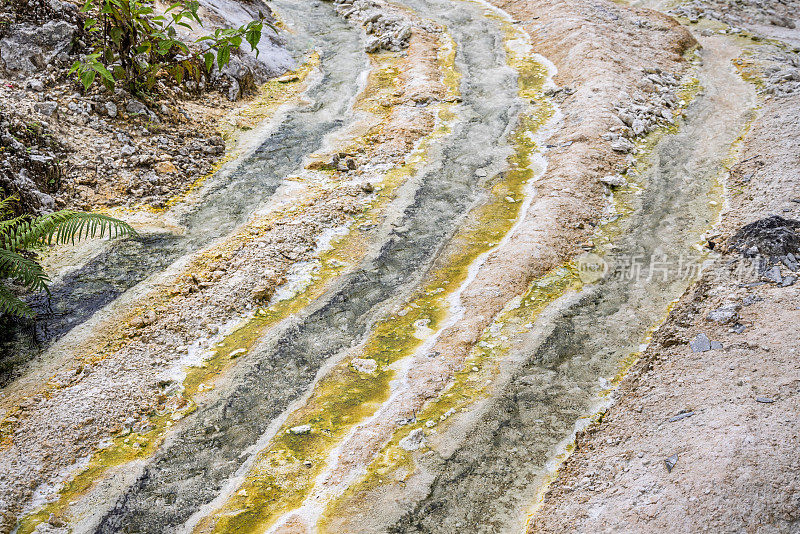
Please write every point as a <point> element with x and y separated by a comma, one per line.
<point>727,417</point>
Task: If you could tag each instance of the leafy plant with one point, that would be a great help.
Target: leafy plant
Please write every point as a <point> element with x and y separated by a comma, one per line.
<point>134,45</point>
<point>18,235</point>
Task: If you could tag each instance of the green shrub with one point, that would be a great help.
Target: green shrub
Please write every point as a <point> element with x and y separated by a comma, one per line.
<point>132,44</point>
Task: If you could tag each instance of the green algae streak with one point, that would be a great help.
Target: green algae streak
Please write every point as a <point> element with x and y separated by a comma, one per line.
<point>127,448</point>
<point>490,223</point>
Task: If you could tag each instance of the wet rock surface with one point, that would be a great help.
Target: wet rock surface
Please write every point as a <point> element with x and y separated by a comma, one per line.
<point>445,191</point>
<point>217,291</point>
<point>518,428</point>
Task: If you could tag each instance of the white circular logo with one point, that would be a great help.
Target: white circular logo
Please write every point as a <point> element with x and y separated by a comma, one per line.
<point>591,267</point>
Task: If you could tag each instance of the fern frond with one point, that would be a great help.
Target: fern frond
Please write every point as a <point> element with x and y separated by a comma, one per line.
<point>66,227</point>
<point>26,271</point>
<point>5,204</point>
<point>20,233</point>
<point>8,226</point>
<point>10,304</point>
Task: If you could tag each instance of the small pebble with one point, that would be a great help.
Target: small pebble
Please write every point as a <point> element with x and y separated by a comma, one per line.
<point>680,416</point>
<point>670,462</point>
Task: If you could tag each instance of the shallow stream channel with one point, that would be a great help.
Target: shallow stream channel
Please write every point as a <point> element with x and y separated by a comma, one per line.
<point>288,441</point>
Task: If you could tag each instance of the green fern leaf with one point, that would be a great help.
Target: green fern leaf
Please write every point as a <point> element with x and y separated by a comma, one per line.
<point>5,204</point>
<point>18,234</point>
<point>10,304</point>
<point>26,271</point>
<point>66,226</point>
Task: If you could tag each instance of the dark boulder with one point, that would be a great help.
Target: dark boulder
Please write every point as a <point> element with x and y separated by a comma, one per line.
<point>773,237</point>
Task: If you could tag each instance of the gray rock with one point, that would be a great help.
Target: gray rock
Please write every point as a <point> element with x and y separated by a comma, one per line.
<point>638,127</point>
<point>30,194</point>
<point>111,109</point>
<point>43,160</point>
<point>404,33</point>
<point>135,107</point>
<point>372,45</point>
<point>31,47</point>
<point>622,146</point>
<point>749,300</point>
<point>765,400</point>
<point>738,328</point>
<point>55,521</point>
<point>234,91</point>
<point>46,108</point>
<point>300,429</point>
<point>614,181</point>
<point>701,343</point>
<point>626,117</point>
<point>36,85</point>
<point>788,280</point>
<point>791,263</point>
<point>724,314</point>
<point>671,462</point>
<point>773,274</point>
<point>771,237</point>
<point>127,150</point>
<point>364,365</point>
<point>680,416</point>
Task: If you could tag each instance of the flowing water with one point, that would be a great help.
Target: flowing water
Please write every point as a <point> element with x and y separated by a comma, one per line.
<point>552,375</point>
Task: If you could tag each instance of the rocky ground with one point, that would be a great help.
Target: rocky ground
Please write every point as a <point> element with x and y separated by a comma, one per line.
<point>780,14</point>
<point>703,433</point>
<point>703,436</point>
<point>604,105</point>
<point>68,148</point>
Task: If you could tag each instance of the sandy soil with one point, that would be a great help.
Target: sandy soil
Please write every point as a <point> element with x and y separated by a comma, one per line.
<point>737,467</point>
